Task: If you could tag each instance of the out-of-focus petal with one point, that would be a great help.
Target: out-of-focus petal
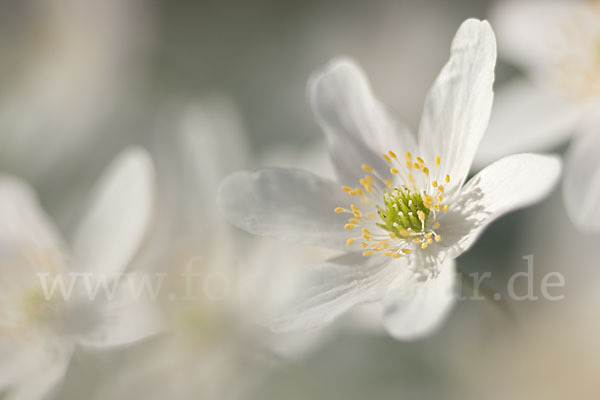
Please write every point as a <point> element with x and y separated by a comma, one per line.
<point>128,316</point>
<point>526,117</point>
<point>417,303</point>
<point>457,108</point>
<point>581,186</point>
<point>43,384</point>
<point>336,286</point>
<point>116,222</point>
<point>288,204</point>
<point>531,32</point>
<point>357,127</point>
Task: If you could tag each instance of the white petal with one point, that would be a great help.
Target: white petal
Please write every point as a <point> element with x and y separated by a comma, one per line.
<point>457,108</point>
<point>417,304</point>
<point>22,221</point>
<point>530,33</point>
<point>526,117</point>
<point>43,384</point>
<point>335,287</point>
<point>29,243</point>
<point>118,217</point>
<point>289,204</point>
<point>127,318</point>
<point>508,184</point>
<point>357,127</point>
<point>581,187</point>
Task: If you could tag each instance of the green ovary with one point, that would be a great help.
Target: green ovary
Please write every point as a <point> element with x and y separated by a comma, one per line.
<point>404,212</point>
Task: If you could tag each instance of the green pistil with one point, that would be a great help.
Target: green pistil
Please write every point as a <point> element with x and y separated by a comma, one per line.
<point>401,213</point>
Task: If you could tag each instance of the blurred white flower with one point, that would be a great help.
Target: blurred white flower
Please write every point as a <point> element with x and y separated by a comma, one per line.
<point>221,284</point>
<point>39,331</point>
<point>416,215</point>
<point>556,43</point>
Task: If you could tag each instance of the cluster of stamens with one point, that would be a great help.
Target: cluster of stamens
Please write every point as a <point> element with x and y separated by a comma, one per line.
<point>406,209</point>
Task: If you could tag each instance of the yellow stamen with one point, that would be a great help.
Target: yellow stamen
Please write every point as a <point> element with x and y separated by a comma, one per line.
<point>394,171</point>
<point>349,226</point>
<point>392,154</point>
<point>447,178</point>
<point>367,168</point>
<point>367,253</point>
<point>420,160</point>
<point>437,160</point>
<point>350,241</point>
<point>436,225</point>
<point>386,158</point>
<point>406,251</point>
<point>339,210</point>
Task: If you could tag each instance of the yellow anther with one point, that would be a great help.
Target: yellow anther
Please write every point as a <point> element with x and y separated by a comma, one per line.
<point>438,238</point>
<point>408,165</point>
<point>396,255</point>
<point>369,179</point>
<point>447,178</point>
<point>347,189</point>
<point>428,235</point>
<point>446,207</point>
<point>436,207</point>
<point>420,160</point>
<point>367,168</point>
<point>388,183</point>
<point>350,241</point>
<point>386,158</point>
<point>339,210</point>
<point>437,160</point>
<point>394,171</point>
<point>365,231</point>
<point>404,233</point>
<point>354,208</point>
<point>416,240</point>
<point>417,166</point>
<point>441,188</point>
<point>406,251</point>
<point>382,244</point>
<point>428,199</point>
<point>365,245</point>
<point>359,191</point>
<point>434,184</point>
<point>424,245</point>
<point>426,171</point>
<point>354,220</point>
<point>349,226</point>
<point>421,215</point>
<point>436,225</point>
<point>427,204</point>
<point>392,154</point>
<point>408,156</point>
<point>440,198</point>
<point>367,253</point>
<point>388,253</point>
<point>429,241</point>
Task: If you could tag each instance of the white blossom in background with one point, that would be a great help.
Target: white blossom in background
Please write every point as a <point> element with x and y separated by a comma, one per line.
<point>215,334</point>
<point>556,44</point>
<point>412,213</point>
<point>38,333</point>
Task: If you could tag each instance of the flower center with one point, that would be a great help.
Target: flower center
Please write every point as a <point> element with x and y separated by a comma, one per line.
<point>402,212</point>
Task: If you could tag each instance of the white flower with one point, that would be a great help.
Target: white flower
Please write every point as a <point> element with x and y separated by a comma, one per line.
<point>556,43</point>
<point>412,214</point>
<point>38,334</point>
